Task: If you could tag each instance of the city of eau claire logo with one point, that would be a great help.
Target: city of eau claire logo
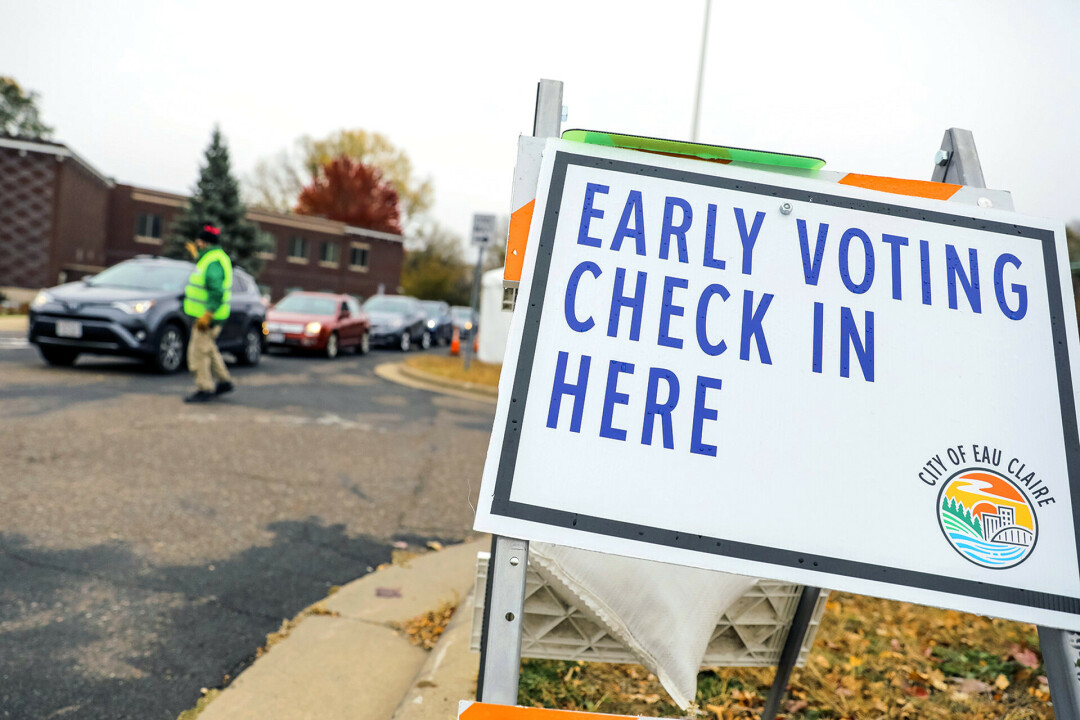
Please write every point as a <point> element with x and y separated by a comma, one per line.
<point>983,505</point>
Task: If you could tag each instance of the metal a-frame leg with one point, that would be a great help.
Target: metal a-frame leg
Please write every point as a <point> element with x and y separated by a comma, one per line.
<point>958,162</point>
<point>789,654</point>
<point>500,635</point>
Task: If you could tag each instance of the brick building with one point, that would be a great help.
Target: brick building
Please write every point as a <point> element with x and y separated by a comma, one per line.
<point>61,219</point>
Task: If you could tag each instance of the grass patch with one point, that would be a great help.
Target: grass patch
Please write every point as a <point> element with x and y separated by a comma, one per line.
<point>453,368</point>
<point>872,658</point>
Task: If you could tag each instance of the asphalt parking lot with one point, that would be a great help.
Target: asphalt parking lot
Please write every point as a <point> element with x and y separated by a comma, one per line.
<point>148,546</point>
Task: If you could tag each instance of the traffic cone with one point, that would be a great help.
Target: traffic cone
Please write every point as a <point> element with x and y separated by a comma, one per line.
<point>476,343</point>
<point>455,344</point>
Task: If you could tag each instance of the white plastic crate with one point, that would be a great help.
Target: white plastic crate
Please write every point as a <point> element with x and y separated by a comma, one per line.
<point>750,634</point>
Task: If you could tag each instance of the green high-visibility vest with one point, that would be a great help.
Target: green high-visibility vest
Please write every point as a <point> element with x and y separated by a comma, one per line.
<point>196,295</point>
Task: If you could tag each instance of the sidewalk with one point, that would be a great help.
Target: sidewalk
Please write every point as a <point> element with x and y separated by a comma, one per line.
<point>346,661</point>
<point>14,323</point>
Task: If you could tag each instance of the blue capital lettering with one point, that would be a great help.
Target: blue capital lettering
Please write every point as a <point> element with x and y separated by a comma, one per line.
<point>560,388</point>
<point>588,212</point>
<point>812,268</point>
<point>969,281</point>
<point>710,259</point>
<point>669,308</point>
<point>619,301</point>
<point>571,296</point>
<point>845,261</point>
<point>677,231</point>
<point>701,414</point>
<point>895,242</point>
<point>999,288</point>
<point>633,208</point>
<point>702,315</point>
<point>751,326</point>
<point>748,238</point>
<point>849,339</point>
<point>654,409</point>
<point>613,397</point>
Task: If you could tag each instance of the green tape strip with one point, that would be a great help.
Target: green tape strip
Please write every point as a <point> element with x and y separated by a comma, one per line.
<point>693,150</point>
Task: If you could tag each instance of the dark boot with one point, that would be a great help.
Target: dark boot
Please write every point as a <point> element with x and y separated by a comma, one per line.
<point>200,396</point>
<point>223,387</point>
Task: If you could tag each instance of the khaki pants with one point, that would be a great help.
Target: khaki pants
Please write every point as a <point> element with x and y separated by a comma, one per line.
<point>204,359</point>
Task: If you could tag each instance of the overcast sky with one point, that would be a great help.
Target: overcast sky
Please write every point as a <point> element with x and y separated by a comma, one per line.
<point>135,87</point>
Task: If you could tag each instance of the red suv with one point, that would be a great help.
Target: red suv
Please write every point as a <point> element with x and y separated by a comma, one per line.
<point>322,322</point>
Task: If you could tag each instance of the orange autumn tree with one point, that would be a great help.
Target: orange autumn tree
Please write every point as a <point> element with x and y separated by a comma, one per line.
<point>354,193</point>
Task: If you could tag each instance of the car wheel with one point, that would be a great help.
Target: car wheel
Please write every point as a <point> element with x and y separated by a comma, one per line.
<point>169,351</point>
<point>425,340</point>
<point>58,356</point>
<point>365,344</point>
<point>332,346</point>
<point>252,350</point>
<point>405,342</point>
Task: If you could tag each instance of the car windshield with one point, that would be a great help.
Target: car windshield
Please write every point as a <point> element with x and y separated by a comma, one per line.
<point>307,304</point>
<point>143,276</point>
<point>386,304</point>
<point>462,313</point>
<point>432,309</point>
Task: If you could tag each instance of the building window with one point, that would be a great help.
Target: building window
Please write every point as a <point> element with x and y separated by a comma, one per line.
<point>329,254</point>
<point>358,257</point>
<point>298,249</point>
<point>148,228</point>
<point>267,241</point>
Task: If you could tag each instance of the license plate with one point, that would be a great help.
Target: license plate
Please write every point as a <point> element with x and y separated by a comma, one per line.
<point>276,337</point>
<point>68,328</point>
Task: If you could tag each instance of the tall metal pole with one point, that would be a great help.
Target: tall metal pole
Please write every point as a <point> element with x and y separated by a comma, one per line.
<point>700,72</point>
<point>472,304</point>
<point>500,635</point>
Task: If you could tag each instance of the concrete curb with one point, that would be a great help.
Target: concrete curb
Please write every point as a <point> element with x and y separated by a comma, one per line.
<point>404,375</point>
<point>347,662</point>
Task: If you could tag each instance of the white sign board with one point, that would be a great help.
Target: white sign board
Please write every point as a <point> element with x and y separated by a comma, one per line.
<point>483,229</point>
<point>861,391</point>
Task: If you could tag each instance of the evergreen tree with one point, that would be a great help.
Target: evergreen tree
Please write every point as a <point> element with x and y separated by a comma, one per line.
<point>216,201</point>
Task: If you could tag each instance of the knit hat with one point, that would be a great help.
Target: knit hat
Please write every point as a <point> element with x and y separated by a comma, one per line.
<point>210,234</point>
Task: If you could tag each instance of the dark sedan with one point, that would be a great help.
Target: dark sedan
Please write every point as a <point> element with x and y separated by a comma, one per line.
<point>440,322</point>
<point>465,320</point>
<point>135,309</point>
<point>398,320</point>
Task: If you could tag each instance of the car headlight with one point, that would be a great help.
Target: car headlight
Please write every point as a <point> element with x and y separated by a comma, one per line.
<point>431,324</point>
<point>40,299</point>
<point>139,307</point>
<point>312,328</point>
<point>468,324</point>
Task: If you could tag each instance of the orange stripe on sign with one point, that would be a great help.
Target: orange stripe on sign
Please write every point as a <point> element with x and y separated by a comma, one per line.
<point>914,188</point>
<point>486,711</point>
<point>520,220</point>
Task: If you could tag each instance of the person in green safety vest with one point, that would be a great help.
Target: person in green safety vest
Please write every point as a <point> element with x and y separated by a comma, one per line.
<point>206,299</point>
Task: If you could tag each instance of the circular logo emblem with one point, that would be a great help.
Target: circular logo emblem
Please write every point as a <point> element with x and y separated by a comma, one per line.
<point>987,519</point>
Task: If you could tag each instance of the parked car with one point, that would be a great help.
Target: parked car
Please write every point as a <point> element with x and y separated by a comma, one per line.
<point>440,323</point>
<point>322,322</point>
<point>398,320</point>
<point>465,320</point>
<point>135,308</point>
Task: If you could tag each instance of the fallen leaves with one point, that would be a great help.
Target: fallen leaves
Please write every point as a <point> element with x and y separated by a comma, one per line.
<point>425,629</point>
<point>871,659</point>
